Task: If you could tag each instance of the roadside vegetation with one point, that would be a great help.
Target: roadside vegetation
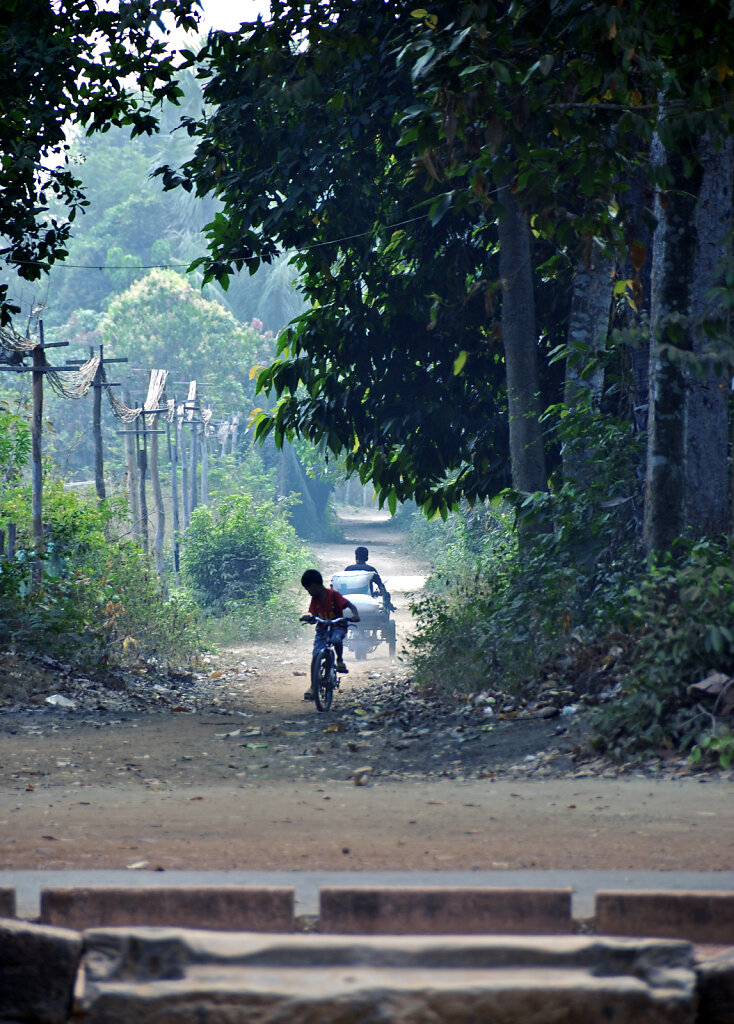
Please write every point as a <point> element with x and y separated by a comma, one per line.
<point>480,260</point>
<point>624,637</point>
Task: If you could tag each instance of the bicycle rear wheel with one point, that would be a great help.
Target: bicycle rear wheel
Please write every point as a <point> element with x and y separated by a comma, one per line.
<point>322,678</point>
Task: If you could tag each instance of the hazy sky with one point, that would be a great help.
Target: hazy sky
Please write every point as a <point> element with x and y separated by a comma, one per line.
<point>229,14</point>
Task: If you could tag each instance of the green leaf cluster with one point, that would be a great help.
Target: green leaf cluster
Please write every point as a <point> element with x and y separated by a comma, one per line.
<point>101,601</point>
<point>73,65</point>
<point>498,607</point>
<point>241,551</point>
<point>680,615</point>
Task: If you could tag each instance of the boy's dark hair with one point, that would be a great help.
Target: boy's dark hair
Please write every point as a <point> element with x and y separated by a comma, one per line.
<point>361,554</point>
<point>310,577</point>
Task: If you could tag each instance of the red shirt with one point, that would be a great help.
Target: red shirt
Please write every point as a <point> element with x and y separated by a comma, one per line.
<point>330,606</point>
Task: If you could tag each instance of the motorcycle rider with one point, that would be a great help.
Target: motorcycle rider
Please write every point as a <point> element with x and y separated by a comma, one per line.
<point>361,565</point>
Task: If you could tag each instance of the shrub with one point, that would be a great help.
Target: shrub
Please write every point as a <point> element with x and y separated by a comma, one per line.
<point>100,599</point>
<point>240,551</point>
<point>679,614</point>
<point>517,577</point>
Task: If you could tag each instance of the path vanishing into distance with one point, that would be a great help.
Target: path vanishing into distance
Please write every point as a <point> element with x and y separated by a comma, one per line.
<point>238,774</point>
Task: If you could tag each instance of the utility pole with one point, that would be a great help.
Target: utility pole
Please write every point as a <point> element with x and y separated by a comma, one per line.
<point>150,407</point>
<point>132,471</point>
<point>38,368</point>
<point>173,459</point>
<point>98,382</point>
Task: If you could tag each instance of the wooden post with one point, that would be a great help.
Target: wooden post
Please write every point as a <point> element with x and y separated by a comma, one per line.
<point>173,456</point>
<point>142,469</point>
<point>192,478</point>
<point>36,463</point>
<point>204,466</point>
<point>184,473</point>
<point>131,473</point>
<point>97,430</point>
<point>160,520</point>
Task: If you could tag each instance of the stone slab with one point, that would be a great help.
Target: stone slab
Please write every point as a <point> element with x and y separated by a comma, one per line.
<point>7,902</point>
<point>148,976</point>
<point>38,968</point>
<point>716,988</point>
<point>218,908</point>
<point>451,910</point>
<point>696,916</point>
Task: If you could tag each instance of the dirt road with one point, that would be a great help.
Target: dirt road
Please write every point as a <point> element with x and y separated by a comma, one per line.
<point>242,773</point>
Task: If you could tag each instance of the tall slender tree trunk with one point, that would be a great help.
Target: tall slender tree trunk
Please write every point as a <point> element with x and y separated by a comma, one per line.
<point>707,507</point>
<point>520,337</point>
<point>591,306</point>
<point>638,267</point>
<point>673,270</point>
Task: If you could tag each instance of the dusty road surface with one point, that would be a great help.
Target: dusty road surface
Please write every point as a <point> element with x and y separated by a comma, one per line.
<point>236,771</point>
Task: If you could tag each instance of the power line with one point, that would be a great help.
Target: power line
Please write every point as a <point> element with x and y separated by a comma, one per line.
<point>184,266</point>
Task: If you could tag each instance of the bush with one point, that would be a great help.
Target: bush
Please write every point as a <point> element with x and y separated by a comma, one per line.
<point>100,599</point>
<point>679,615</point>
<point>495,610</point>
<point>517,577</point>
<point>241,551</point>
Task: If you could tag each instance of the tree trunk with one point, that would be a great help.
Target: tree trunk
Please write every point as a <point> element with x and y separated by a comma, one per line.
<point>520,340</point>
<point>672,280</point>
<point>591,306</point>
<point>707,508</point>
<point>638,267</point>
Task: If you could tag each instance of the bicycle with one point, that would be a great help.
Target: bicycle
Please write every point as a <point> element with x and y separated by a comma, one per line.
<point>324,678</point>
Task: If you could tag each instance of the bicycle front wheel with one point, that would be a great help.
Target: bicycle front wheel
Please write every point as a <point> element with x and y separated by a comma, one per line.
<point>322,679</point>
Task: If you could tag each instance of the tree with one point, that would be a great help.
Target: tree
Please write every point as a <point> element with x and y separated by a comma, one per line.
<point>505,126</point>
<point>161,321</point>
<point>70,65</point>
<point>413,400</point>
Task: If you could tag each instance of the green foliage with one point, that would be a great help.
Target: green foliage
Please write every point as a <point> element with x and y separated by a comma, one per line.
<point>369,370</point>
<point>400,132</point>
<point>161,321</point>
<point>496,610</point>
<point>241,552</point>
<point>246,472</point>
<point>15,444</point>
<point>678,615</point>
<point>70,64</point>
<point>718,746</point>
<point>101,601</point>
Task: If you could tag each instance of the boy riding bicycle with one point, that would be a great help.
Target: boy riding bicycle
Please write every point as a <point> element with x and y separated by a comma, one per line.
<point>326,604</point>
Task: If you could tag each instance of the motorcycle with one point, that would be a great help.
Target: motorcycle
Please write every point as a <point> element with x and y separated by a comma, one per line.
<point>375,625</point>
